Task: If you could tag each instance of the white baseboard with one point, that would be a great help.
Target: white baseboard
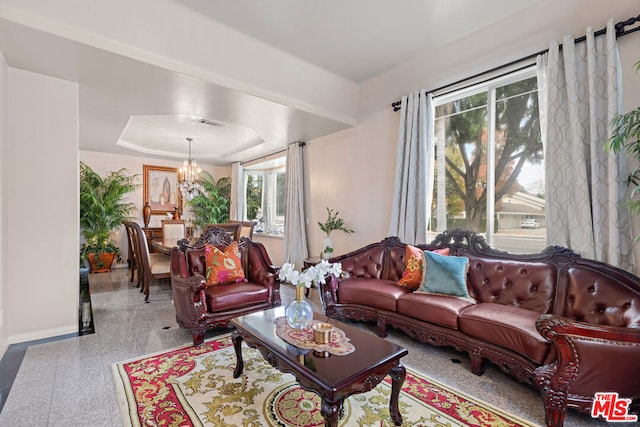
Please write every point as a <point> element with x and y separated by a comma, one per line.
<point>46,333</point>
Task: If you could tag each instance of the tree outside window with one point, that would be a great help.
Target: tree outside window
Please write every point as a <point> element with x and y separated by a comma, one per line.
<point>490,163</point>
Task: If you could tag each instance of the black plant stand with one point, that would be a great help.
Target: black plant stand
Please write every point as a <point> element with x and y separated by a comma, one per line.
<point>85,318</point>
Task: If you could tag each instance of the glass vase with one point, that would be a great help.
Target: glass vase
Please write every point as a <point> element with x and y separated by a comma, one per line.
<point>299,313</point>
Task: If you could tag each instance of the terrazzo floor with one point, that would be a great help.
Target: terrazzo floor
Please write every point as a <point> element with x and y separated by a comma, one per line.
<point>68,382</point>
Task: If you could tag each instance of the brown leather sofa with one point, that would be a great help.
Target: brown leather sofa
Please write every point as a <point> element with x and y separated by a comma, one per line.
<point>565,325</point>
<point>200,308</point>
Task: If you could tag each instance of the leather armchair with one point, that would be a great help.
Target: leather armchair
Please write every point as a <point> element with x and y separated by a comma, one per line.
<point>590,358</point>
<point>200,307</point>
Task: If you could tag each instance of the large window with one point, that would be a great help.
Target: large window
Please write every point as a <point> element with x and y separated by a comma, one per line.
<point>265,196</point>
<point>489,174</point>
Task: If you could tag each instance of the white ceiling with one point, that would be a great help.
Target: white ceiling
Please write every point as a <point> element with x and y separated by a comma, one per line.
<point>131,105</point>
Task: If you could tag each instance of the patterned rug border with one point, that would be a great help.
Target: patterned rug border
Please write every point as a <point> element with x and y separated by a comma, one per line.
<point>126,400</point>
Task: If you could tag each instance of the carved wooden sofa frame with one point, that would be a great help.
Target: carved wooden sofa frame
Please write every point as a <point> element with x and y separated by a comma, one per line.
<point>589,316</point>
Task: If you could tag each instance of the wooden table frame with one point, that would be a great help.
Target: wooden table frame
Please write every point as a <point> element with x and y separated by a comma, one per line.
<point>332,395</point>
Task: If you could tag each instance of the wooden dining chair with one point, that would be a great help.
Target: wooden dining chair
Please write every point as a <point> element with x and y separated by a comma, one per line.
<point>172,231</point>
<point>246,229</point>
<point>232,228</point>
<point>152,265</point>
<point>133,257</point>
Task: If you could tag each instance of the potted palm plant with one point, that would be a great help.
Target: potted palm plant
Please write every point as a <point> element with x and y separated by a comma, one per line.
<point>212,205</point>
<point>101,211</point>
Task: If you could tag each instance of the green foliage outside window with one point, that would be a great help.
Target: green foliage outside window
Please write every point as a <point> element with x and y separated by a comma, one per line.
<point>254,196</point>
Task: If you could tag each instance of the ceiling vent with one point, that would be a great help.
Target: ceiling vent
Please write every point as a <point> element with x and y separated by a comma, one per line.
<point>210,123</point>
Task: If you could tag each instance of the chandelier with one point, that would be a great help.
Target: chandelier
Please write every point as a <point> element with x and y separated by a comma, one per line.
<point>189,175</point>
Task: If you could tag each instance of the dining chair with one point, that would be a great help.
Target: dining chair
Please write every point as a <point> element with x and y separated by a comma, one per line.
<point>172,231</point>
<point>232,228</point>
<point>133,257</point>
<point>246,229</point>
<point>152,265</point>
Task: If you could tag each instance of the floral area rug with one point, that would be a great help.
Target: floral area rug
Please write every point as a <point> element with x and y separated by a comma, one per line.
<point>194,386</point>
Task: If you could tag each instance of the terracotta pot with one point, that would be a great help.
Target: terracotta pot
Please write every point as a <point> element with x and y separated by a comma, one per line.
<point>106,259</point>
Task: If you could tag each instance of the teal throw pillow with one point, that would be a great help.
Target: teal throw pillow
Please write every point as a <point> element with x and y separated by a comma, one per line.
<point>445,275</point>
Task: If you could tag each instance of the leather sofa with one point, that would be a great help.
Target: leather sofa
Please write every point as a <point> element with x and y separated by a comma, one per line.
<point>200,307</point>
<point>566,325</point>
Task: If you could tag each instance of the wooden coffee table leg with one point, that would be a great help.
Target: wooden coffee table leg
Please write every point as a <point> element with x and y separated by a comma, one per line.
<point>237,346</point>
<point>398,374</point>
<point>331,412</point>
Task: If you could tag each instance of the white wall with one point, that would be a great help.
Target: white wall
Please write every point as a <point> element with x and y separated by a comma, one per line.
<point>102,163</point>
<point>41,207</point>
<point>352,172</point>
<point>4,71</point>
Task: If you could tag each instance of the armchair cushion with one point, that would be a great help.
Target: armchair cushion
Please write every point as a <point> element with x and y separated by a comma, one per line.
<point>233,296</point>
<point>223,267</point>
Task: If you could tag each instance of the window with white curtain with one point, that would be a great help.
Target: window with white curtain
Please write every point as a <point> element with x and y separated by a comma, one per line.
<point>489,174</point>
<point>264,194</point>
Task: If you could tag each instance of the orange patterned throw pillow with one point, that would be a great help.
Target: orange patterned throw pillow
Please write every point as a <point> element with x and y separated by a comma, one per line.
<point>412,276</point>
<point>223,267</point>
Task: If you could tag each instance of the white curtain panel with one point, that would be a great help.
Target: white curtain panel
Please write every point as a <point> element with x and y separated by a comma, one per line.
<point>410,211</point>
<point>295,234</point>
<point>585,190</point>
<point>236,208</point>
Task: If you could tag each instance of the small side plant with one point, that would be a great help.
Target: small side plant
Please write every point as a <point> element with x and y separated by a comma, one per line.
<point>333,222</point>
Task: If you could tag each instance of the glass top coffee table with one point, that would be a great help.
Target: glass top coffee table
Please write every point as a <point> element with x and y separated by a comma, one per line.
<point>333,378</point>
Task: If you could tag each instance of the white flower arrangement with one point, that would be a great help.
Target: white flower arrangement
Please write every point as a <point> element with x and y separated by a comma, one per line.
<point>316,273</point>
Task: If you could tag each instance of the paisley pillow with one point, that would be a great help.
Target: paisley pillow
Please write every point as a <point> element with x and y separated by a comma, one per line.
<point>223,267</point>
<point>412,276</point>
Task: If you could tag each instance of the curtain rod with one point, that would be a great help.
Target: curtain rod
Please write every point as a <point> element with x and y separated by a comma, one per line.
<point>620,31</point>
<point>300,144</point>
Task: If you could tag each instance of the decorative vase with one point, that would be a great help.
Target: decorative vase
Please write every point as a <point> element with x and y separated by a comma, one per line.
<point>299,313</point>
<point>146,214</point>
<point>327,248</point>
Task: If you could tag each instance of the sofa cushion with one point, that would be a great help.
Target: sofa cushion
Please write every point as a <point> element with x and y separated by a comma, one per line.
<point>593,297</point>
<point>445,275</point>
<point>223,266</point>
<point>507,326</point>
<point>378,293</point>
<point>438,309</point>
<point>235,295</point>
<point>412,276</point>
<point>366,264</point>
<point>524,284</point>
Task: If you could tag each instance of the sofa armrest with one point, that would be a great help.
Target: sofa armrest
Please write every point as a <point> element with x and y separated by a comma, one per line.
<point>258,266</point>
<point>328,295</point>
<point>589,358</point>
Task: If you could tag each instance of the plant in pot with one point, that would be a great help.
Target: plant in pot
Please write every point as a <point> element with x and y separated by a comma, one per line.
<point>102,210</point>
<point>212,205</point>
<point>333,222</point>
<point>626,136</point>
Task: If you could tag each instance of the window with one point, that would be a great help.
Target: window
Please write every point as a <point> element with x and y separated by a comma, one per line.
<point>265,196</point>
<point>489,163</point>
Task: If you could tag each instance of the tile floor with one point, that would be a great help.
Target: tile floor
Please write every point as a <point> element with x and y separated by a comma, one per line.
<point>68,382</point>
